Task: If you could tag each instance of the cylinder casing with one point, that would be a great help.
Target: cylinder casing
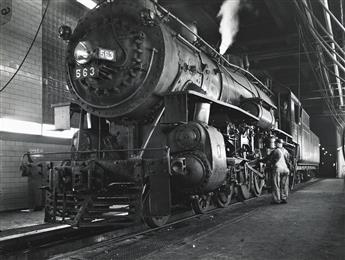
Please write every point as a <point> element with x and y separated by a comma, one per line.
<point>203,149</point>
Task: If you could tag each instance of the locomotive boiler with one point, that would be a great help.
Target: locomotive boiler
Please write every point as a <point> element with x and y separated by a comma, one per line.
<point>165,121</point>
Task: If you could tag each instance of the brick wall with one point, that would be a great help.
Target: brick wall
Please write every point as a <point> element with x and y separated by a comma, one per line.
<point>41,81</point>
<point>22,99</point>
<point>14,187</point>
<point>60,12</point>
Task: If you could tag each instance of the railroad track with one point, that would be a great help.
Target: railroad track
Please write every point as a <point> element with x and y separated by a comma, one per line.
<point>55,241</point>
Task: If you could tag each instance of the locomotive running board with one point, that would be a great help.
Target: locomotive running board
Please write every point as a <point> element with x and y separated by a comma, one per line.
<point>279,131</point>
<point>176,104</point>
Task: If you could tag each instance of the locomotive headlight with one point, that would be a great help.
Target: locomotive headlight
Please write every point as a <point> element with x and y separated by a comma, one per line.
<point>83,52</point>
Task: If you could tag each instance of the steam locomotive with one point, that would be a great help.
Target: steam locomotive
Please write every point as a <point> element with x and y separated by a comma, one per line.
<point>165,122</point>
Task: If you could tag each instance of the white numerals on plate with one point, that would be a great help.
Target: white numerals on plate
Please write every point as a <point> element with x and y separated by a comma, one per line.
<point>92,71</point>
<point>77,73</point>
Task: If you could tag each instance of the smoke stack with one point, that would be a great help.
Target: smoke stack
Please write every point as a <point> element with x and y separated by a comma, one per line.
<point>229,23</point>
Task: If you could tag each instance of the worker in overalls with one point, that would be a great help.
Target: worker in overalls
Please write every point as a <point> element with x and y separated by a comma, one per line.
<point>280,164</point>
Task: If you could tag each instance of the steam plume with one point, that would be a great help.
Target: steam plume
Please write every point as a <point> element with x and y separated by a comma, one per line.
<point>229,23</point>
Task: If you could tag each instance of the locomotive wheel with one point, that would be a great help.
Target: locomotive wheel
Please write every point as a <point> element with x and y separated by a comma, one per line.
<point>244,187</point>
<point>244,191</point>
<point>152,221</point>
<point>224,196</point>
<point>201,204</point>
<point>257,185</point>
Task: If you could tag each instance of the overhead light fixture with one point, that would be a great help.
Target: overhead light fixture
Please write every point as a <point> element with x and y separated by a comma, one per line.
<point>88,3</point>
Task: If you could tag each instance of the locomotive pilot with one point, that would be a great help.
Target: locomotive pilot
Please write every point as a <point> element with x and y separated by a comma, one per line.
<point>279,160</point>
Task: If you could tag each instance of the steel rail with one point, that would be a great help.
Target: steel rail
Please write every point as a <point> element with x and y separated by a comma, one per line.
<point>12,241</point>
<point>103,236</point>
<point>34,232</point>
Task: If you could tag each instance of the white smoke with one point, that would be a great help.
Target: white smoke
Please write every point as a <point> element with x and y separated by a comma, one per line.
<point>229,23</point>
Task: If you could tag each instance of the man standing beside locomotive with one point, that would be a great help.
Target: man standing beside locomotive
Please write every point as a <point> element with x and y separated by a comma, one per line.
<point>279,160</point>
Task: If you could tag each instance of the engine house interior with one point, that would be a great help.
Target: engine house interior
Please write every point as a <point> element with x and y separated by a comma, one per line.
<point>165,121</point>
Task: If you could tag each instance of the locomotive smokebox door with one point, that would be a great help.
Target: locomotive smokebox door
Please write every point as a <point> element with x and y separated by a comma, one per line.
<point>160,196</point>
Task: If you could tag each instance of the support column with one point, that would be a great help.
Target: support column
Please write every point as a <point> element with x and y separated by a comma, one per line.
<point>340,156</point>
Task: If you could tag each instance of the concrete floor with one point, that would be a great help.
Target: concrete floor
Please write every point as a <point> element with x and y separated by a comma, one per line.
<point>20,219</point>
<point>310,226</point>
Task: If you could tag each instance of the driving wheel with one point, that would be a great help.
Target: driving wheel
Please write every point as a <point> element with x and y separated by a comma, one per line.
<point>258,183</point>
<point>152,221</point>
<point>244,186</point>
